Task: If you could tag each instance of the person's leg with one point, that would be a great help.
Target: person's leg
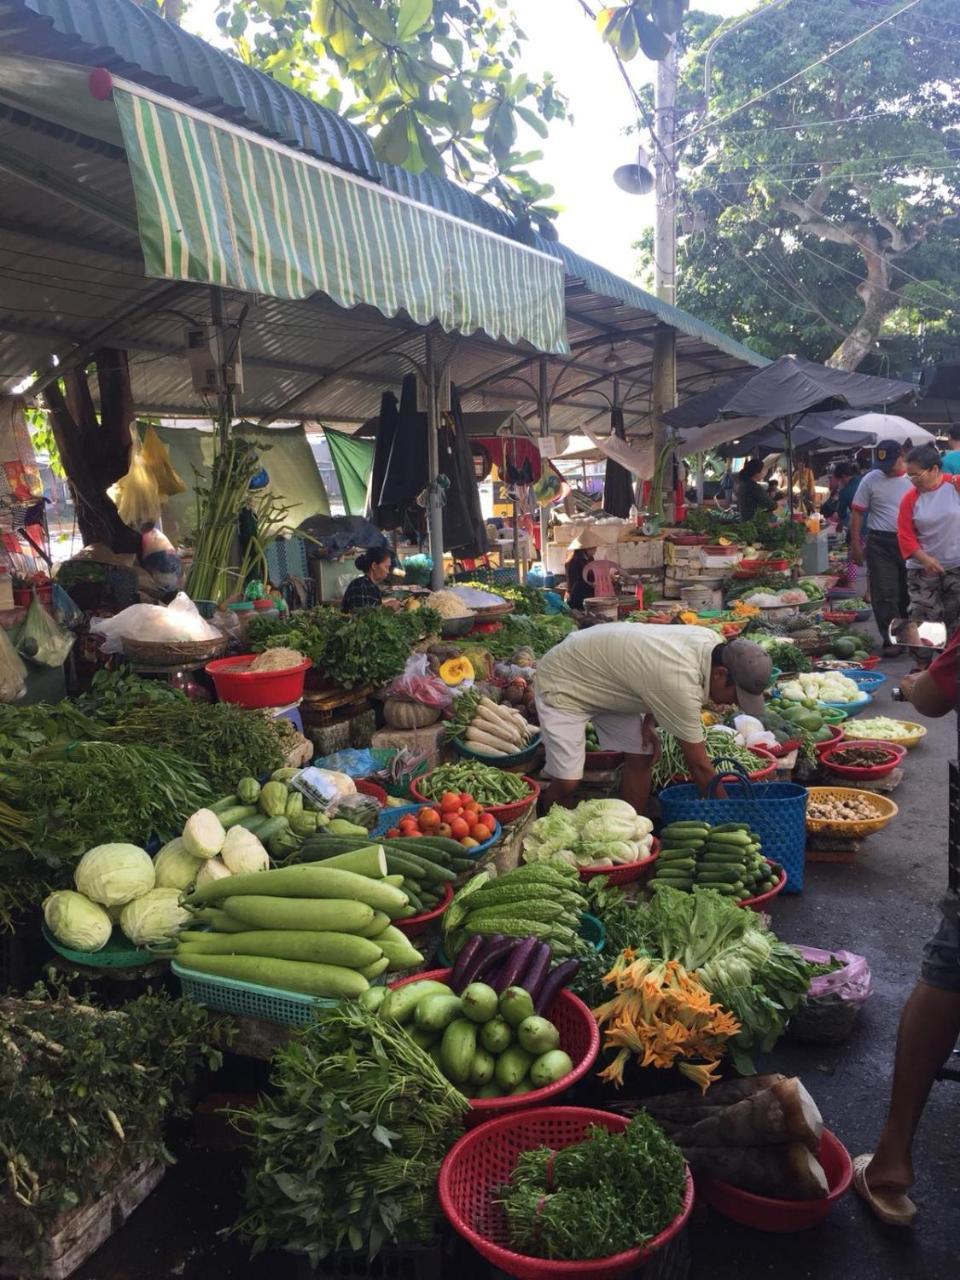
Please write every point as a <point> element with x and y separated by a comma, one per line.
<point>559,791</point>
<point>635,780</point>
<point>950,594</point>
<point>883,574</point>
<point>636,737</point>
<point>564,742</point>
<point>925,606</point>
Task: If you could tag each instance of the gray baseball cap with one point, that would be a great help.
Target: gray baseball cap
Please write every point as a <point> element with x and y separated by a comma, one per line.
<point>750,668</point>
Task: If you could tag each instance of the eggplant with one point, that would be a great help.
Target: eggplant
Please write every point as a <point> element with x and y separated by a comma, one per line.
<point>494,953</point>
<point>536,972</point>
<point>561,977</point>
<point>469,954</point>
<point>517,963</point>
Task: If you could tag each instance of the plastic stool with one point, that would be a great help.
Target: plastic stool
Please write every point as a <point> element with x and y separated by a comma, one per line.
<point>597,575</point>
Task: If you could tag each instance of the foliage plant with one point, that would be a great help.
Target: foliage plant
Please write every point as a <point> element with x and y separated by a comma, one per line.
<point>86,1096</point>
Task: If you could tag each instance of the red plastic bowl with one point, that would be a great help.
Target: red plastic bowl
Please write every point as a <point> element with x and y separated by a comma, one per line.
<point>766,770</point>
<point>483,1160</point>
<point>414,926</point>
<point>783,748</point>
<point>766,1213</point>
<point>597,761</point>
<point>372,789</point>
<point>759,902</point>
<point>579,1037</point>
<point>856,772</point>
<point>837,732</point>
<point>869,663</point>
<point>629,871</point>
<point>503,813</point>
<point>253,689</point>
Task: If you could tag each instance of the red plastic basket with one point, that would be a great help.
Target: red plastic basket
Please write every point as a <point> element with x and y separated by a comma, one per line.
<point>372,789</point>
<point>861,773</point>
<point>503,813</point>
<point>483,1160</point>
<point>628,872</point>
<point>253,689</point>
<point>759,902</point>
<point>765,1213</point>
<point>837,732</point>
<point>414,926</point>
<point>579,1037</point>
<point>598,761</point>
<point>783,748</point>
<point>766,770</point>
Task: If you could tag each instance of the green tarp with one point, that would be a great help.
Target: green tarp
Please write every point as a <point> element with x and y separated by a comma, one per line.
<point>353,462</point>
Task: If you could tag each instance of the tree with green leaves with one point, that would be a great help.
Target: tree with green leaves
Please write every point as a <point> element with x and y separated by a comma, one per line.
<point>438,82</point>
<point>641,26</point>
<point>820,180</point>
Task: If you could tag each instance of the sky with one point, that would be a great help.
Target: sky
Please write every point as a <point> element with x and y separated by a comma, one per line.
<point>598,219</point>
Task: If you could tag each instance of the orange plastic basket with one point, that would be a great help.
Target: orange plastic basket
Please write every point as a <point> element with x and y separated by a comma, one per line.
<point>483,1160</point>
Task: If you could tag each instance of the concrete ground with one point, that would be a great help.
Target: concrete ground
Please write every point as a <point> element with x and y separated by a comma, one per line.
<point>883,906</point>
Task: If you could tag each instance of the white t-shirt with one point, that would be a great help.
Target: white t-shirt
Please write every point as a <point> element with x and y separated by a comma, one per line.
<point>879,496</point>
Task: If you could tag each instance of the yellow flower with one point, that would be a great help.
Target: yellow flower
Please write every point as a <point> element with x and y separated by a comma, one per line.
<point>614,1073</point>
<point>702,1074</point>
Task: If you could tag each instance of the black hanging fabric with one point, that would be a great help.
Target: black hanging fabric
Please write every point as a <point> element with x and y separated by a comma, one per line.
<point>618,492</point>
<point>400,459</point>
<point>464,528</point>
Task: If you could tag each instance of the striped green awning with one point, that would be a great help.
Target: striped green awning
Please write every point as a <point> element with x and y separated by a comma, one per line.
<point>220,205</point>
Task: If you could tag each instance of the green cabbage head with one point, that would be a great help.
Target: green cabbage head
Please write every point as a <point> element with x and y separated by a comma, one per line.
<point>112,874</point>
<point>154,917</point>
<point>175,867</point>
<point>77,922</point>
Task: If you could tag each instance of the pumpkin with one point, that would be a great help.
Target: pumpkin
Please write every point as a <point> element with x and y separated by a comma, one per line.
<point>400,713</point>
<point>455,670</point>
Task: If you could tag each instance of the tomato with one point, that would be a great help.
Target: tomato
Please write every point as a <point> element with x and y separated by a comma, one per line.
<point>414,833</point>
<point>459,829</point>
<point>469,843</point>
<point>449,800</point>
<point>408,826</point>
<point>429,820</point>
<point>482,832</point>
<point>444,830</point>
<point>473,807</point>
<point>393,833</point>
<point>466,798</point>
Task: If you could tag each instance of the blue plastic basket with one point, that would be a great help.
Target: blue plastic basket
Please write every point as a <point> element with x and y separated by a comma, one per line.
<point>390,817</point>
<point>869,681</point>
<point>777,811</point>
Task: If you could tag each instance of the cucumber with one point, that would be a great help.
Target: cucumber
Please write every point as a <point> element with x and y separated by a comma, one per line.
<point>255,824</point>
<point>716,875</point>
<point>458,1049</point>
<point>692,825</point>
<point>738,839</point>
<point>231,817</point>
<point>228,802</point>
<point>675,864</point>
<point>272,827</point>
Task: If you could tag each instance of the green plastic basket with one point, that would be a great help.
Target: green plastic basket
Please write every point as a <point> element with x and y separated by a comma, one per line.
<point>249,999</point>
<point>501,762</point>
<point>119,953</point>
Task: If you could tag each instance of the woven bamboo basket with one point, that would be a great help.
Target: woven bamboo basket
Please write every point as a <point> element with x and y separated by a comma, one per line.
<point>884,809</point>
<point>166,653</point>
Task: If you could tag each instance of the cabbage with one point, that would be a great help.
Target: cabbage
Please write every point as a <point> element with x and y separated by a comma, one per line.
<point>243,852</point>
<point>154,917</point>
<point>174,867</point>
<point>593,851</point>
<point>608,827</point>
<point>112,874</point>
<point>549,835</point>
<point>203,836</point>
<point>212,869</point>
<point>76,921</point>
<point>600,808</point>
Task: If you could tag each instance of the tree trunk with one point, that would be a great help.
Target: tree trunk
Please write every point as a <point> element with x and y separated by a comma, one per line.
<point>878,302</point>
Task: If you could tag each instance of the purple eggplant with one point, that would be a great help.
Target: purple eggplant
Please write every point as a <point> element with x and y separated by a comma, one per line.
<point>497,949</point>
<point>469,953</point>
<point>561,977</point>
<point>515,966</point>
<point>536,972</point>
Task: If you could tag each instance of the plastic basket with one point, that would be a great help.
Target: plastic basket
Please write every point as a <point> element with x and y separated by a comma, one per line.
<point>119,952</point>
<point>491,577</point>
<point>777,811</point>
<point>372,789</point>
<point>579,1037</point>
<point>854,829</point>
<point>249,999</point>
<point>390,817</point>
<point>483,1160</point>
<point>503,813</point>
<point>501,762</point>
<point>869,681</point>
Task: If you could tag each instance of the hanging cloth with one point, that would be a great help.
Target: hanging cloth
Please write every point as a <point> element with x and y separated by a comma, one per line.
<point>353,462</point>
<point>464,528</point>
<point>618,495</point>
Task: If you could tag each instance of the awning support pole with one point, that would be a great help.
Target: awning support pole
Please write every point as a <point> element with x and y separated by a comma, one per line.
<point>434,504</point>
<point>226,408</point>
<point>543,405</point>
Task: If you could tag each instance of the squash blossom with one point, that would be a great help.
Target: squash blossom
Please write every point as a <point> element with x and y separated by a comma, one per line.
<point>665,1017</point>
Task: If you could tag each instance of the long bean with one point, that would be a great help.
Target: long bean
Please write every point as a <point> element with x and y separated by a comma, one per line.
<point>485,783</point>
<point>719,744</point>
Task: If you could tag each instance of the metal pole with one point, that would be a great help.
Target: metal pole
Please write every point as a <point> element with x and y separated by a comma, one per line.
<point>664,387</point>
<point>225,400</point>
<point>787,429</point>
<point>543,405</point>
<point>434,505</point>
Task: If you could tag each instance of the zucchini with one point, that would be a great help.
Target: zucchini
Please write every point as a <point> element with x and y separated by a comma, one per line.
<point>254,824</point>
<point>231,817</point>
<point>327,980</point>
<point>228,802</point>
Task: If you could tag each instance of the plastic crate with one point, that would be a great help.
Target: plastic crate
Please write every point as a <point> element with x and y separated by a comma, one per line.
<point>249,999</point>
<point>491,577</point>
<point>777,811</point>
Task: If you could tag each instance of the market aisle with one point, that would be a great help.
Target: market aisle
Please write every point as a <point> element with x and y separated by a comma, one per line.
<point>883,907</point>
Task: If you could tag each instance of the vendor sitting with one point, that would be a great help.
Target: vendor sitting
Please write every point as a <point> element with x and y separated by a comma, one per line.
<point>363,592</point>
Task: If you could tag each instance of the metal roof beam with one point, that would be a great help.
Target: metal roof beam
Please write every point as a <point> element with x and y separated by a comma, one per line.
<point>66,239</point>
<point>37,175</point>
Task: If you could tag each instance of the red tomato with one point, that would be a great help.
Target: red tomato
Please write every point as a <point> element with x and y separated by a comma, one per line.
<point>415,832</point>
<point>444,830</point>
<point>466,798</point>
<point>429,820</point>
<point>449,800</point>
<point>459,828</point>
<point>482,832</point>
<point>393,833</point>
<point>472,807</point>
<point>408,826</point>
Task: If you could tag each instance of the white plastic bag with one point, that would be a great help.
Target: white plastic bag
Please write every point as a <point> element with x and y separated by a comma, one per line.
<point>179,620</point>
<point>13,674</point>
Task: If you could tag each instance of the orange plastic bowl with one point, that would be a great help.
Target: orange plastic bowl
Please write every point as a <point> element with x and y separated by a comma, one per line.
<point>766,1213</point>
<point>482,1161</point>
<point>579,1037</point>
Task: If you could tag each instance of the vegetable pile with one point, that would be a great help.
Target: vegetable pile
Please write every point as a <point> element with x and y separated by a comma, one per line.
<point>488,785</point>
<point>880,729</point>
<point>317,930</point>
<point>849,807</point>
<point>760,1134</point>
<point>726,858</point>
<point>495,730</point>
<point>821,686</point>
<point>488,1044</point>
<point>783,653</point>
<point>539,634</point>
<point>597,833</point>
<point>345,1150</point>
<point>605,1195</point>
<point>720,743</point>
<point>456,817</point>
<point>539,901</point>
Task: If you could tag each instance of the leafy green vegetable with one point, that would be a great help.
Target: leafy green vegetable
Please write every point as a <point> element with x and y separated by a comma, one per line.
<point>526,600</point>
<point>610,1193</point>
<point>538,634</point>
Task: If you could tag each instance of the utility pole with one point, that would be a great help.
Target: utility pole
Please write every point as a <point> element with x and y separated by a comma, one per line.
<point>664,374</point>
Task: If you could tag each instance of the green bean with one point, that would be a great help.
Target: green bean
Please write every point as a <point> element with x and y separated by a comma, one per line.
<point>485,783</point>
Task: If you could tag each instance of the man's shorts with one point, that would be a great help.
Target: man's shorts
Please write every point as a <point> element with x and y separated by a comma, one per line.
<point>564,738</point>
<point>941,955</point>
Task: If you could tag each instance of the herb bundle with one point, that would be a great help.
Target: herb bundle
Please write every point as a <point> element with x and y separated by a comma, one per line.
<point>608,1194</point>
<point>538,634</point>
<point>346,1150</point>
<point>87,1092</point>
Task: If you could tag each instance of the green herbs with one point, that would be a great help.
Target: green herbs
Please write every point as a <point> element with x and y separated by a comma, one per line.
<point>113,693</point>
<point>346,1149</point>
<point>538,634</point>
<point>610,1193</point>
<point>525,600</point>
<point>485,783</point>
<point>357,650</point>
<point>86,1093</point>
<point>784,654</point>
<point>223,741</point>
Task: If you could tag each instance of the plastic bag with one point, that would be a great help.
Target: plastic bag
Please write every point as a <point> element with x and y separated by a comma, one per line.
<point>179,620</point>
<point>354,763</point>
<point>156,456</point>
<point>138,496</point>
<point>419,684</point>
<point>63,608</point>
<point>828,1012</point>
<point>13,674</point>
<point>40,638</point>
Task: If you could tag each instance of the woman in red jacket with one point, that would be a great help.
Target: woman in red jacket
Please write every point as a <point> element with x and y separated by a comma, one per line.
<point>928,530</point>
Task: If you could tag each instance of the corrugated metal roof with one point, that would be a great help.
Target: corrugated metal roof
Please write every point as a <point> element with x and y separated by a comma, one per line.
<point>140,45</point>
